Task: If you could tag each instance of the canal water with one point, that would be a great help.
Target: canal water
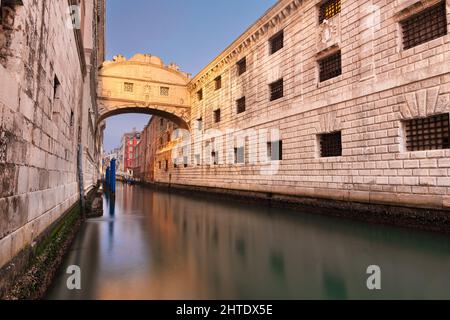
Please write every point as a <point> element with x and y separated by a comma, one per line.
<point>159,245</point>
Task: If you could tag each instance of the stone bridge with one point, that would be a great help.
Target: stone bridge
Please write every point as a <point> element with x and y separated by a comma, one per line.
<point>143,84</point>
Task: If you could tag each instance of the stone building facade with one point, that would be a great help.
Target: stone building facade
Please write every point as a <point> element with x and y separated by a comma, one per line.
<point>50,148</point>
<point>353,94</point>
<point>154,154</point>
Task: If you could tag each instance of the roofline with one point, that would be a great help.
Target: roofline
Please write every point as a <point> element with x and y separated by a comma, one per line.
<point>247,33</point>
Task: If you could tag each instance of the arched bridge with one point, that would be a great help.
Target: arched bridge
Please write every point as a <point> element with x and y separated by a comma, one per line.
<point>143,84</point>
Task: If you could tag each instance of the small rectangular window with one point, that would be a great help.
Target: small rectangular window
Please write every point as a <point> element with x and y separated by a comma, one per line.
<point>167,166</point>
<point>425,26</point>
<point>218,82</point>
<point>276,42</point>
<point>239,156</point>
<point>275,150</point>
<point>240,105</point>
<point>197,159</point>
<point>330,144</point>
<point>159,165</point>
<point>431,133</point>
<point>200,95</point>
<point>56,88</point>
<point>128,87</point>
<point>329,9</point>
<point>242,66</point>
<point>276,90</point>
<point>215,157</point>
<point>199,124</point>
<point>330,66</point>
<point>217,115</point>
<point>164,91</point>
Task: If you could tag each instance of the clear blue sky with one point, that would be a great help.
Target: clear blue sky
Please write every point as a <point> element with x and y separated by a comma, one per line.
<point>190,33</point>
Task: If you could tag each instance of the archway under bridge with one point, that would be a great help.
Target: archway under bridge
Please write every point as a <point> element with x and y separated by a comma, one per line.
<point>143,84</point>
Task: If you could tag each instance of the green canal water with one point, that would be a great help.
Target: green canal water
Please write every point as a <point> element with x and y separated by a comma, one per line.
<point>158,245</point>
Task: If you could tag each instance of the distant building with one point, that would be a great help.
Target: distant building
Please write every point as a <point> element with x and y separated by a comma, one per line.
<point>127,156</point>
<point>154,152</point>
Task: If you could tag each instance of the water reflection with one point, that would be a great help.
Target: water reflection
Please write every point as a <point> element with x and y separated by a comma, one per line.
<point>156,245</point>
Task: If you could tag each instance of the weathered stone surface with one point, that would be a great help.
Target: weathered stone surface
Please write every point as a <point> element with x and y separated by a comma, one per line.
<point>380,87</point>
<point>45,107</point>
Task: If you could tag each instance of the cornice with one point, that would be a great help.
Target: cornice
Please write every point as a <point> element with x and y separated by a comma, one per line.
<point>270,20</point>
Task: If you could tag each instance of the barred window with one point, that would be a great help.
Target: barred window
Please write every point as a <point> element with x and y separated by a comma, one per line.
<point>430,133</point>
<point>276,90</point>
<point>164,91</point>
<point>218,82</point>
<point>275,150</point>
<point>200,95</point>
<point>240,104</point>
<point>425,26</point>
<point>330,66</point>
<point>330,144</point>
<point>276,42</point>
<point>128,87</point>
<point>242,66</point>
<point>329,9</point>
<point>217,115</point>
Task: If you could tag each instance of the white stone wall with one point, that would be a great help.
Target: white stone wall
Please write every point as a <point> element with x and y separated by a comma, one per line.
<point>38,132</point>
<point>381,85</point>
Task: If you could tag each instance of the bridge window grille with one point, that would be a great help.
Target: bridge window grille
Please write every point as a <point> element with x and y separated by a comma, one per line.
<point>240,105</point>
<point>330,66</point>
<point>329,9</point>
<point>217,116</point>
<point>331,144</point>
<point>128,87</point>
<point>276,90</point>
<point>164,91</point>
<point>277,42</point>
<point>430,133</point>
<point>218,82</point>
<point>242,66</point>
<point>425,26</point>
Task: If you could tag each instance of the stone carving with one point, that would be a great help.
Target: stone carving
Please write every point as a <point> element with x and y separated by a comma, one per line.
<point>171,97</point>
<point>119,58</point>
<point>424,103</point>
<point>328,122</point>
<point>329,33</point>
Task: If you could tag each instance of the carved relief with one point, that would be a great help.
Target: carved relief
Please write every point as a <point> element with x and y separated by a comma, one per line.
<point>424,103</point>
<point>329,33</point>
<point>328,122</point>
